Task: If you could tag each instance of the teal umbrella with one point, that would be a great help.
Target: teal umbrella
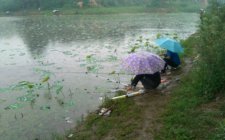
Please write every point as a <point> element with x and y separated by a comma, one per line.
<point>170,44</point>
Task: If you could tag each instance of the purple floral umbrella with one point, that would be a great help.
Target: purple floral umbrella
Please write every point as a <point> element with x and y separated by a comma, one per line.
<point>143,63</point>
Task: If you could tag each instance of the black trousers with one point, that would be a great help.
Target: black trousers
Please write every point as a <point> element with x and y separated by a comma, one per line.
<point>170,63</point>
<point>149,81</point>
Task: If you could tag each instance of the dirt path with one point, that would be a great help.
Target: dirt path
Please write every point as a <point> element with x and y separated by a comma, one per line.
<point>155,102</point>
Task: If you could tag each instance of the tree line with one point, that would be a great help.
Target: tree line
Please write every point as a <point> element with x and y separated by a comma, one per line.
<point>17,5</point>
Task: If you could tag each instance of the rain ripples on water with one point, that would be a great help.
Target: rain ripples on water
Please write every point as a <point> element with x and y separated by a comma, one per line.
<point>55,69</point>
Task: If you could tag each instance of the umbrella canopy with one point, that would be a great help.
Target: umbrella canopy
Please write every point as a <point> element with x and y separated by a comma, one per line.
<point>170,44</point>
<point>143,63</point>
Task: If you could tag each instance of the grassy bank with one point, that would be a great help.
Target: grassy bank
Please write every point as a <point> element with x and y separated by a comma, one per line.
<point>197,107</point>
<point>83,11</point>
<point>98,11</point>
<point>128,116</point>
<point>189,115</point>
<point>111,10</point>
<point>122,122</point>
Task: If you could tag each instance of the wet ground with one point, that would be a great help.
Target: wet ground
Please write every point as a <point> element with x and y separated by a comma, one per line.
<point>154,103</point>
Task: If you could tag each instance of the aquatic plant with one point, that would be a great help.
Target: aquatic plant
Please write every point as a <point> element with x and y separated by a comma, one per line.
<point>144,44</point>
<point>32,91</point>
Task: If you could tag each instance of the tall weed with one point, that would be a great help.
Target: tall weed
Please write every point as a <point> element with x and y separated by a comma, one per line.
<point>211,72</point>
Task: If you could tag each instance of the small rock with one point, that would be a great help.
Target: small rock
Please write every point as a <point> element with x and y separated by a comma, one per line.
<point>217,98</point>
<point>70,135</point>
<point>101,98</point>
<point>105,112</point>
<point>177,79</point>
<point>168,73</point>
<point>68,120</point>
<point>56,12</point>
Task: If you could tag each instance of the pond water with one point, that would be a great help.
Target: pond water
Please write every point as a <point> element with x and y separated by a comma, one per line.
<point>56,69</point>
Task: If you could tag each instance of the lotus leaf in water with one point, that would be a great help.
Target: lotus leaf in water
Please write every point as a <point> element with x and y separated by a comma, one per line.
<point>14,106</point>
<point>46,107</point>
<point>26,98</point>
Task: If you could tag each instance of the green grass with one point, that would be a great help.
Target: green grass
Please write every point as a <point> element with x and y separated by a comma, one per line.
<point>196,110</point>
<point>189,115</point>
<point>190,44</point>
<point>84,11</point>
<point>110,10</point>
<point>176,6</point>
<point>123,121</point>
<point>97,10</point>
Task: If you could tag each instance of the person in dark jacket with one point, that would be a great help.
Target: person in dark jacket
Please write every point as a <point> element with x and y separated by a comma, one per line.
<point>172,59</point>
<point>149,81</point>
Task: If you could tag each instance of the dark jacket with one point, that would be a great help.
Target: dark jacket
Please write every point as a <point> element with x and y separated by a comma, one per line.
<point>174,57</point>
<point>149,81</point>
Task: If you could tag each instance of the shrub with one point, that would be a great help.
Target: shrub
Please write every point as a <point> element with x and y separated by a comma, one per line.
<point>211,77</point>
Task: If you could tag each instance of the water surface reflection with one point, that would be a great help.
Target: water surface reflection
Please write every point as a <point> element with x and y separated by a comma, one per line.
<point>57,68</point>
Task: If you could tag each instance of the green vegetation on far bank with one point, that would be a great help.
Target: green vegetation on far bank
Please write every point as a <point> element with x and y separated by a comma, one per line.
<point>94,11</point>
<point>111,10</point>
<point>70,7</point>
<point>84,11</point>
